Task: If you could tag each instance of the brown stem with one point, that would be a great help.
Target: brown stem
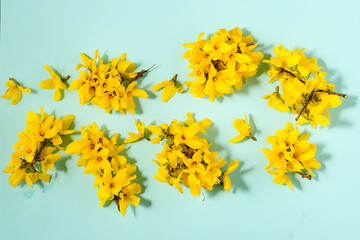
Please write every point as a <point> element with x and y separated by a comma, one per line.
<point>253,138</point>
<point>189,152</point>
<point>116,198</point>
<point>333,93</point>
<point>325,91</point>
<point>221,181</point>
<point>138,75</point>
<point>304,175</point>
<point>292,74</point>
<point>174,78</point>
<point>307,102</point>
<point>65,78</point>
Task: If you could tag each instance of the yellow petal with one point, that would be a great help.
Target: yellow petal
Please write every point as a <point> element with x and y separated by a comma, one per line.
<point>16,96</point>
<point>159,86</point>
<point>47,84</point>
<point>237,139</point>
<point>168,92</point>
<point>57,95</point>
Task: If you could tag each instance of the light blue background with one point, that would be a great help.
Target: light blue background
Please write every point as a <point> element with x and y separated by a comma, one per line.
<point>35,33</point>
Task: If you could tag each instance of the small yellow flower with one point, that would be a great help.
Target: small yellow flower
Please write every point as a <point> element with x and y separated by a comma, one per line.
<point>127,196</point>
<point>243,128</point>
<point>14,91</point>
<point>141,133</point>
<point>227,181</point>
<point>170,87</point>
<point>55,82</point>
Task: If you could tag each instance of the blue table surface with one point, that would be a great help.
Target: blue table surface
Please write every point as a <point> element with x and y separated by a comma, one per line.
<point>39,32</point>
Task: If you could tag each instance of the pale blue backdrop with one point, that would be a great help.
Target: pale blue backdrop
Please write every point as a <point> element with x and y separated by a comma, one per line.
<point>35,33</point>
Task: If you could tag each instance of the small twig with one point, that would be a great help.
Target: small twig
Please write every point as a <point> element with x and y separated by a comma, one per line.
<point>333,93</point>
<point>253,138</point>
<point>304,175</point>
<point>66,78</point>
<point>138,75</point>
<point>292,74</point>
<point>307,102</point>
<point>116,198</point>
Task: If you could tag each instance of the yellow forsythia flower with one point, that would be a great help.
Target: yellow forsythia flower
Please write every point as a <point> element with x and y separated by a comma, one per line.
<point>291,152</point>
<point>55,82</point>
<point>244,129</point>
<point>37,148</point>
<point>170,87</point>
<point>304,91</point>
<point>14,91</point>
<point>113,174</point>
<point>221,63</point>
<point>108,85</point>
<point>186,157</point>
<point>141,133</point>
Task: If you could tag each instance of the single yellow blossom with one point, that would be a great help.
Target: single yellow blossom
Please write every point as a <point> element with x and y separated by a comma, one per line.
<point>244,129</point>
<point>14,91</point>
<point>55,82</point>
<point>227,181</point>
<point>140,135</point>
<point>127,195</point>
<point>170,87</point>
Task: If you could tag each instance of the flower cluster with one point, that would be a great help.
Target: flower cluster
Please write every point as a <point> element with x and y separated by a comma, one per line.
<point>109,85</point>
<point>291,152</point>
<point>169,88</point>
<point>55,82</point>
<point>113,174</point>
<point>14,91</point>
<point>219,64</point>
<point>304,90</point>
<point>37,148</point>
<point>186,157</point>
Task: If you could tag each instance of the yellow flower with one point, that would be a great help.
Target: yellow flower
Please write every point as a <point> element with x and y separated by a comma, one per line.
<point>291,152</point>
<point>109,85</point>
<point>141,133</point>
<point>113,174</point>
<point>186,157</point>
<point>170,87</point>
<point>14,91</point>
<point>127,195</point>
<point>244,129</point>
<point>111,186</point>
<point>55,82</point>
<point>36,151</point>
<point>304,90</point>
<point>227,181</point>
<point>222,63</point>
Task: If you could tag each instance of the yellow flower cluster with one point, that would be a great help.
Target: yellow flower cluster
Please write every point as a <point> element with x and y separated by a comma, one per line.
<point>14,91</point>
<point>37,148</point>
<point>304,90</point>
<point>291,152</point>
<point>186,157</point>
<point>113,174</point>
<point>109,85</point>
<point>219,64</point>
